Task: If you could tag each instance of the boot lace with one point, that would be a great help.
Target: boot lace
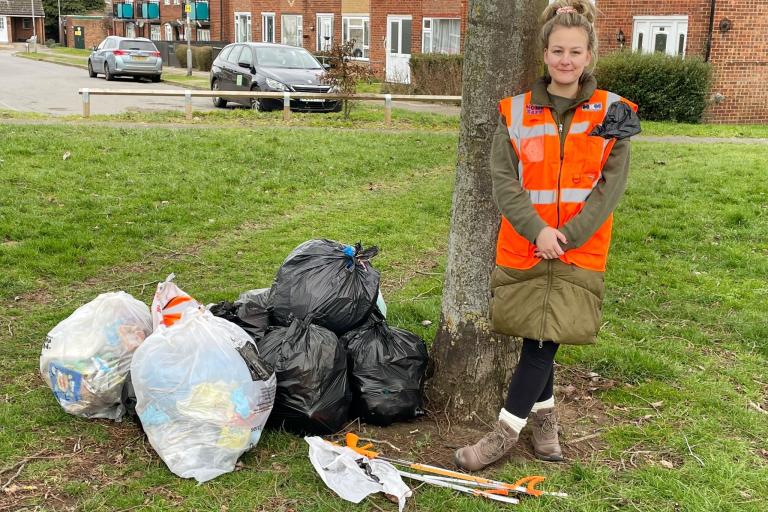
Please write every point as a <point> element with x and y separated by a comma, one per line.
<point>494,442</point>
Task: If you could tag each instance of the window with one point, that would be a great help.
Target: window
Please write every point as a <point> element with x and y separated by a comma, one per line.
<point>356,29</point>
<point>441,35</point>
<point>26,23</point>
<point>166,2</point>
<point>246,56</point>
<point>176,2</point>
<point>234,55</point>
<point>168,32</point>
<point>243,27</point>
<point>324,32</point>
<point>291,32</point>
<point>154,32</point>
<point>663,34</point>
<point>268,27</point>
<point>224,55</point>
<point>130,29</point>
<point>203,34</point>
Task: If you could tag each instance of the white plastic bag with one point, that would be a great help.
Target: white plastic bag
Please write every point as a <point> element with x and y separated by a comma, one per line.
<point>339,469</point>
<point>199,402</point>
<point>86,357</point>
<point>170,302</point>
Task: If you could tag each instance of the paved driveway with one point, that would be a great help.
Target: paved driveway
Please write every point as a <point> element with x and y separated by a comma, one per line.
<point>35,86</point>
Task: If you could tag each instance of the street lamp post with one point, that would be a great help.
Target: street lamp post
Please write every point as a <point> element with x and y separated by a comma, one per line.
<point>187,9</point>
<point>60,34</point>
<point>34,29</point>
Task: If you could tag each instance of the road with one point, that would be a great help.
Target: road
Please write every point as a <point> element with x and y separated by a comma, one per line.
<point>36,86</point>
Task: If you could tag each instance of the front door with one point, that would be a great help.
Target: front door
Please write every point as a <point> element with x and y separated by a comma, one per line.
<point>3,29</point>
<point>399,49</point>
<point>79,37</point>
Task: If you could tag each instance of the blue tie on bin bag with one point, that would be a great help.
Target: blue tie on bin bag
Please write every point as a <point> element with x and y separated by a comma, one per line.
<point>85,359</point>
<point>203,394</point>
<point>332,282</point>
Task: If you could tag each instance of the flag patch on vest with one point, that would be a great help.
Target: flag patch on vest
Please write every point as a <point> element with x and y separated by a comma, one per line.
<point>533,110</point>
<point>592,107</point>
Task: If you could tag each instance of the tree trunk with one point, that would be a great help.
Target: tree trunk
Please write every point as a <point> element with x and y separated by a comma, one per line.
<point>473,364</point>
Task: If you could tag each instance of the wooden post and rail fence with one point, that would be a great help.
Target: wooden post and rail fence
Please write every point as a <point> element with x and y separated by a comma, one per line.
<point>188,94</point>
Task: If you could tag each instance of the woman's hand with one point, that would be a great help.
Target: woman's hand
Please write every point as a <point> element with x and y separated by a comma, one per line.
<point>547,244</point>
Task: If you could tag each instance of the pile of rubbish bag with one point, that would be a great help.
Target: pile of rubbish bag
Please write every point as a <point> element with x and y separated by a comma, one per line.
<point>307,354</point>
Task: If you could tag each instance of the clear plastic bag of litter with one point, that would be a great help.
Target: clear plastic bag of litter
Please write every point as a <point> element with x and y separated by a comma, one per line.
<point>203,394</point>
<point>86,357</point>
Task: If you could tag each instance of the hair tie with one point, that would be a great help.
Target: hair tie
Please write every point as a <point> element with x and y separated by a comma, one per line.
<point>567,9</point>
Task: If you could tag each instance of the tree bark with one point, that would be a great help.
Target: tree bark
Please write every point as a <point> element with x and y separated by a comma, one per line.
<point>473,364</point>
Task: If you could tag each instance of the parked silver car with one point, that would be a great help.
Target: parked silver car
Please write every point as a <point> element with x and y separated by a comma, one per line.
<point>126,56</point>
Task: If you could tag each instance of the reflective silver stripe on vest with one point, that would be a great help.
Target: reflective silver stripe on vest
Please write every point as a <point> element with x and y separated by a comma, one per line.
<point>542,196</point>
<point>539,130</point>
<point>612,98</point>
<point>579,127</point>
<point>518,102</point>
<point>574,195</point>
<point>520,171</point>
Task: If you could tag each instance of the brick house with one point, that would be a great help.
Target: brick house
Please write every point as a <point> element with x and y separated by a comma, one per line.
<point>730,34</point>
<point>85,31</point>
<point>20,20</point>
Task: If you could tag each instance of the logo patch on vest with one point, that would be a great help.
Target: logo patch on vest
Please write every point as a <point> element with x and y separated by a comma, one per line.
<point>592,107</point>
<point>533,110</point>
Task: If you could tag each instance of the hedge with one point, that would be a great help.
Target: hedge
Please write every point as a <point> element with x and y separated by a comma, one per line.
<point>202,57</point>
<point>435,73</point>
<point>665,88</point>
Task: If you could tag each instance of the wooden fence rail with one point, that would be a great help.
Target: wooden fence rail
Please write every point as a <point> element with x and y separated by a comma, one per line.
<point>188,94</point>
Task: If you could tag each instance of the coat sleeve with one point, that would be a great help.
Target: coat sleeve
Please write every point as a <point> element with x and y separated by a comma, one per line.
<point>603,199</point>
<point>513,202</point>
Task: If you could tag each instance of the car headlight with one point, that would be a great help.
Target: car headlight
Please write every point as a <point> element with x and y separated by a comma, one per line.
<point>274,84</point>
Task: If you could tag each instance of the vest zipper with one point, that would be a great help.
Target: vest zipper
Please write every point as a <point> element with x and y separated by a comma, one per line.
<point>546,302</point>
<point>560,152</point>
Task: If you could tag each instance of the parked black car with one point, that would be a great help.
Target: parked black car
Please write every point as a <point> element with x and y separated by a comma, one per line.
<point>270,68</point>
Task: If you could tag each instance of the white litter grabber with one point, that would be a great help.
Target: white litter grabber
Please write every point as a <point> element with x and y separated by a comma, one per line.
<point>439,482</point>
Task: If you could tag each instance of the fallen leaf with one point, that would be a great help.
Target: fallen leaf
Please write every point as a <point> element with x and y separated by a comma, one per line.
<point>426,323</point>
<point>66,155</point>
<point>657,404</point>
<point>667,464</point>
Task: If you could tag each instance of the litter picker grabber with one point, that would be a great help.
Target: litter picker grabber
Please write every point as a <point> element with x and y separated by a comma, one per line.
<point>495,487</point>
<point>490,494</point>
<point>526,485</point>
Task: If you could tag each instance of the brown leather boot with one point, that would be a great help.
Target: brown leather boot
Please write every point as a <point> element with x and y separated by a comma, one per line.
<point>487,450</point>
<point>546,445</point>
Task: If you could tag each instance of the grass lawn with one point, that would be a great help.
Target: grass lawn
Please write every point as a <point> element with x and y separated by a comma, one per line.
<point>684,341</point>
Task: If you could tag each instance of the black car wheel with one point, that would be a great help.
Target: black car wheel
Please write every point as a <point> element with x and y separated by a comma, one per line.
<point>91,72</point>
<point>218,101</point>
<point>155,78</point>
<point>109,76</point>
<point>259,105</point>
<point>339,105</point>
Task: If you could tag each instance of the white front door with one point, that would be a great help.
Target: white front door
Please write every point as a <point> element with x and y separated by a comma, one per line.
<point>3,29</point>
<point>398,49</point>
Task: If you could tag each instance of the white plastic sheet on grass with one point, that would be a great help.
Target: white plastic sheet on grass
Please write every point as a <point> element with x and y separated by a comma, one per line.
<point>339,469</point>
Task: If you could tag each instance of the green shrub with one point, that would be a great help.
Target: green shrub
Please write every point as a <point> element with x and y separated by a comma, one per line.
<point>181,55</point>
<point>665,88</point>
<point>435,73</point>
<point>202,57</point>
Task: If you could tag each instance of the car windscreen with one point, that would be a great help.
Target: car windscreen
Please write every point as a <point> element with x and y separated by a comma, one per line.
<point>275,57</point>
<point>147,46</point>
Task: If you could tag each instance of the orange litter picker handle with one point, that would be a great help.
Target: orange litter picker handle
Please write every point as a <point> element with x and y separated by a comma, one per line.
<point>530,483</point>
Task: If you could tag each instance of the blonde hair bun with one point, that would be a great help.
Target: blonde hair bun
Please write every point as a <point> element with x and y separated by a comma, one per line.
<point>583,8</point>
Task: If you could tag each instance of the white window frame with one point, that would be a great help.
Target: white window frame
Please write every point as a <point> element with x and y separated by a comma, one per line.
<point>320,44</point>
<point>346,24</point>
<point>248,36</point>
<point>203,34</point>
<point>299,29</point>
<point>130,29</point>
<point>644,26</point>
<point>264,17</point>
<point>176,2</point>
<point>426,34</point>
<point>168,32</point>
<point>155,33</point>
<point>166,2</point>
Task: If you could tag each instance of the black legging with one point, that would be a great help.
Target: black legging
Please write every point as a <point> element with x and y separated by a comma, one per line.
<point>533,378</point>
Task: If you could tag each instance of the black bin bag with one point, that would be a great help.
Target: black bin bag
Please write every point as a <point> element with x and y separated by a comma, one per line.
<point>333,282</point>
<point>251,312</point>
<point>386,368</point>
<point>313,394</point>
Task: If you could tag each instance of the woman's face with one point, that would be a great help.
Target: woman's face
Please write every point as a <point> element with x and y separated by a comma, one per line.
<point>567,54</point>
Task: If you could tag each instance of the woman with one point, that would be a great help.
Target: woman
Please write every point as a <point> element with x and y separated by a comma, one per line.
<point>559,164</point>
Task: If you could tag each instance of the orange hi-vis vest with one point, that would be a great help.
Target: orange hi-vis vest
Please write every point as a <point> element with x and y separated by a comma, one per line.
<point>558,185</point>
